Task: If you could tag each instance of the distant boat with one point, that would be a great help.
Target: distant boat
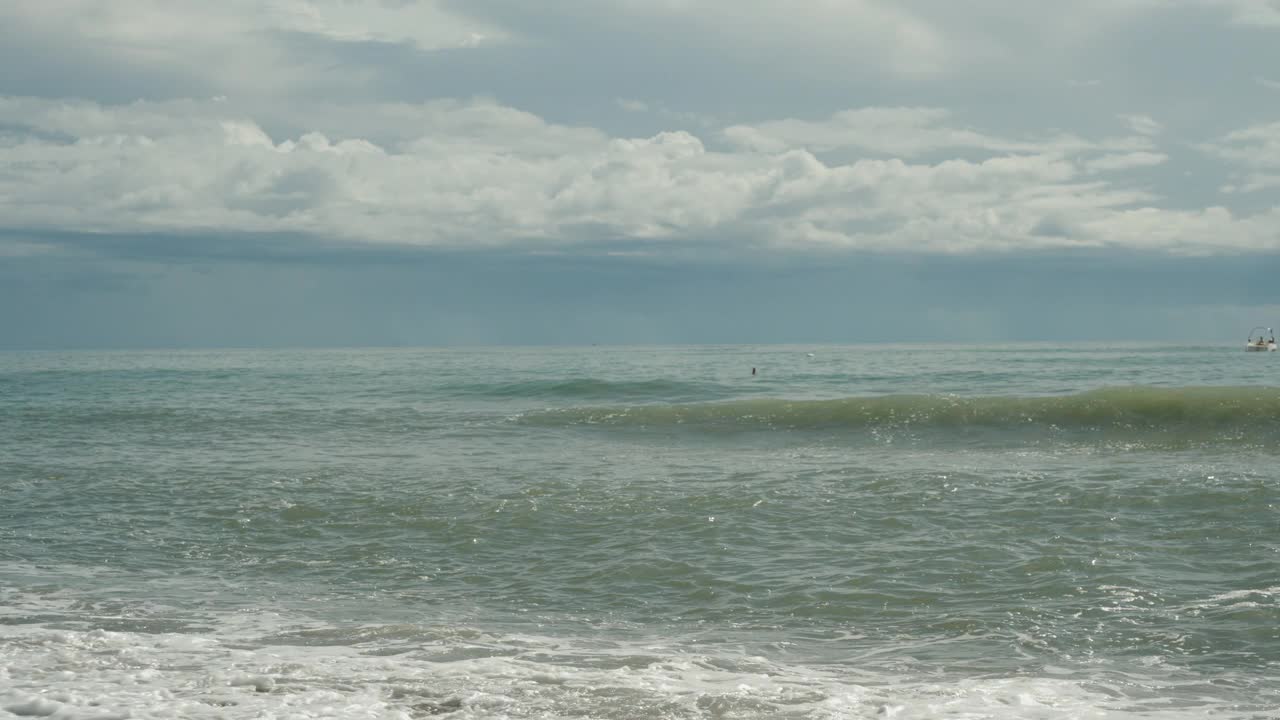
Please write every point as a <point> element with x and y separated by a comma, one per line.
<point>1263,343</point>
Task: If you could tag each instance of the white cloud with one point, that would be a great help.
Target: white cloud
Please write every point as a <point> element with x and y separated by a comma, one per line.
<point>1193,232</point>
<point>894,131</point>
<point>1125,161</point>
<point>268,156</point>
<point>424,23</point>
<point>253,46</point>
<point>908,132</point>
<point>1142,124</point>
<point>1256,151</point>
<point>1255,146</point>
<point>239,47</point>
<point>1253,182</point>
<point>453,173</point>
<point>681,118</point>
<point>163,29</point>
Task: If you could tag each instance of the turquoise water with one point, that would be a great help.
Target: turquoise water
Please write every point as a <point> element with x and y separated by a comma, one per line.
<point>882,531</point>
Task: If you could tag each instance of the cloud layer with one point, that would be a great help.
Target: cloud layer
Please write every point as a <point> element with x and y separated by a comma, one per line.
<point>480,174</point>
<point>343,122</point>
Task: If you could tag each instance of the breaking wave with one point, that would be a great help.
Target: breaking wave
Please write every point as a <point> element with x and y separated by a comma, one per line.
<point>1213,411</point>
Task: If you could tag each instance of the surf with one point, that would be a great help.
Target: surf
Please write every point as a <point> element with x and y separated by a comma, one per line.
<point>1142,410</point>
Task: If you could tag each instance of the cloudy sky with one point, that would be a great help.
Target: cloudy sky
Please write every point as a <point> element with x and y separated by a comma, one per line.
<point>405,172</point>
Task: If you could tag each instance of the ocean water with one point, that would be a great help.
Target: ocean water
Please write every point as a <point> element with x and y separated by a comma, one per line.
<point>1020,531</point>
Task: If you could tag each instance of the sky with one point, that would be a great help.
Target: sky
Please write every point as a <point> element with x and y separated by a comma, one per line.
<point>280,173</point>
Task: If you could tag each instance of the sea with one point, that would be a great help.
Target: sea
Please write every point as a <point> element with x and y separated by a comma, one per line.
<point>855,531</point>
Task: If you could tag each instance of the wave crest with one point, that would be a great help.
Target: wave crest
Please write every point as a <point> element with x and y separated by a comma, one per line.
<point>1125,408</point>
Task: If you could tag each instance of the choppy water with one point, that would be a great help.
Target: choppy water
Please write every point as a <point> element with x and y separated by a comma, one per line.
<point>903,532</point>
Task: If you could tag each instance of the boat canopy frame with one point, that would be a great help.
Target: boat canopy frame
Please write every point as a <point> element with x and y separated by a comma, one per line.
<point>1262,335</point>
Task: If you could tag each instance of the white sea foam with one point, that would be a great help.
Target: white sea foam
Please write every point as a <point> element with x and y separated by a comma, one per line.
<point>260,665</point>
<point>57,661</point>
